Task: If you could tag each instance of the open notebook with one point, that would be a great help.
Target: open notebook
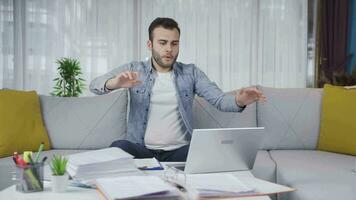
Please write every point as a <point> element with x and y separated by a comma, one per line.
<point>136,187</point>
<point>153,187</point>
<point>219,185</point>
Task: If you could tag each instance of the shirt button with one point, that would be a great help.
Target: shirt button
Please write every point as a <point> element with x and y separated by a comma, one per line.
<point>146,109</point>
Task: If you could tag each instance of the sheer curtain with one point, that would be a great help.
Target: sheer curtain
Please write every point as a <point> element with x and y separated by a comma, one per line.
<point>236,42</point>
<point>35,33</point>
<point>239,42</point>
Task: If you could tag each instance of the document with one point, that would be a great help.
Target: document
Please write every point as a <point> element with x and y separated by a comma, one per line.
<point>106,162</point>
<point>217,185</point>
<point>99,156</point>
<point>136,187</point>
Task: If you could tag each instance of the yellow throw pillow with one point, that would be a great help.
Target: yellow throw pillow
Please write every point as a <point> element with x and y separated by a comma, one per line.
<point>338,125</point>
<point>21,125</point>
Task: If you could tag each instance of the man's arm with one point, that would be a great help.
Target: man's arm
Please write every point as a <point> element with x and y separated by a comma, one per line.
<point>207,89</point>
<point>121,77</point>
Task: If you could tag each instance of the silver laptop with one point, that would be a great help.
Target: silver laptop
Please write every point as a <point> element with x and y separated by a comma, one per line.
<point>220,150</point>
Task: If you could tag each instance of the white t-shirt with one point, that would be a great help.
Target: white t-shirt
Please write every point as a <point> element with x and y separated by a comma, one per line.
<point>165,127</point>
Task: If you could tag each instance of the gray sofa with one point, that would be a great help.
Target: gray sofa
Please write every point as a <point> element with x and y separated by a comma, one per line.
<point>288,154</point>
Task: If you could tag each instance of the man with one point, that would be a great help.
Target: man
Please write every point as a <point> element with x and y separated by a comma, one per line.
<point>162,92</point>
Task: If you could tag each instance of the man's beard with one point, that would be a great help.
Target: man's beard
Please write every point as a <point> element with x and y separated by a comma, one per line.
<point>159,61</point>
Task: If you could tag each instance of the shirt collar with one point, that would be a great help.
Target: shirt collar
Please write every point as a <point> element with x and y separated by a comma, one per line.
<point>150,66</point>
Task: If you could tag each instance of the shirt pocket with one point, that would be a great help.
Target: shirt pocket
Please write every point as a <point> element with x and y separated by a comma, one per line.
<point>139,90</point>
<point>138,95</point>
<point>186,95</point>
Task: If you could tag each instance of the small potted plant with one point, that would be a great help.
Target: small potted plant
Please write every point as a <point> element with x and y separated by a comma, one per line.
<point>59,174</point>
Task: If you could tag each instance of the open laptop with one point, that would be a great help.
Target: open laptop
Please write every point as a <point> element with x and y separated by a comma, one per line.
<point>220,150</point>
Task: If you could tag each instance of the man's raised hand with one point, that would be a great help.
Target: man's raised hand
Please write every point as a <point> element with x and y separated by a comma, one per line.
<point>249,95</point>
<point>125,79</point>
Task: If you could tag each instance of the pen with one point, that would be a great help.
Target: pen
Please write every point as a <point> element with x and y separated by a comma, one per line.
<point>13,158</point>
<point>20,161</point>
<point>39,151</point>
<point>30,160</point>
<point>27,156</point>
<point>44,159</point>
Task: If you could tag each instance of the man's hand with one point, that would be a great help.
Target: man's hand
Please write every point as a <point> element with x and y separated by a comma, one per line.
<point>248,96</point>
<point>125,79</point>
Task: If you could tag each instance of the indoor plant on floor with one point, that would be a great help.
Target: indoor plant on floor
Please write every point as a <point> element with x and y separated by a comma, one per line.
<point>59,174</point>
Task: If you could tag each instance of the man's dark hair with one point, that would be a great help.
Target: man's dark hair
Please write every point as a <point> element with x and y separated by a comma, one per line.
<point>164,22</point>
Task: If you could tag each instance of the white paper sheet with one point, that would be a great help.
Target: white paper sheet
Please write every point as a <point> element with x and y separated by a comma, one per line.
<point>133,186</point>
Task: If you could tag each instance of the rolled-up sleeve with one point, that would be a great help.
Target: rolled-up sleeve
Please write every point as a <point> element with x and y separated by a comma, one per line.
<point>97,85</point>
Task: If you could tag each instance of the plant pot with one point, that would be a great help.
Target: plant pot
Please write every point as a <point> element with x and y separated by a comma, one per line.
<point>59,183</point>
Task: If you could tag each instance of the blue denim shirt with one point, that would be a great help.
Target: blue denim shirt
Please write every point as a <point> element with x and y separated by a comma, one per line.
<point>188,80</point>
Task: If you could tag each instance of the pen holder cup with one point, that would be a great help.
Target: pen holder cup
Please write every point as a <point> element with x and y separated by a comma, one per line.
<point>29,178</point>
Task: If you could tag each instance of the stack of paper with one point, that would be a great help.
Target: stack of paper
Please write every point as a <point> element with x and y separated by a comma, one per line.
<point>218,185</point>
<point>136,187</point>
<point>101,163</point>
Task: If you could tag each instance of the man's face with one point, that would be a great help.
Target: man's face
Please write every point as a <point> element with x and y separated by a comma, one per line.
<point>165,46</point>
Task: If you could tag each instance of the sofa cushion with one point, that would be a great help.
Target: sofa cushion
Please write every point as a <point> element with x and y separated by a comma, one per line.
<point>316,175</point>
<point>338,127</point>
<point>21,124</point>
<point>207,116</point>
<point>264,167</point>
<point>85,122</point>
<point>291,118</point>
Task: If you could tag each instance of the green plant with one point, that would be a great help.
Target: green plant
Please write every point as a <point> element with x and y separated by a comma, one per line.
<point>69,83</point>
<point>59,165</point>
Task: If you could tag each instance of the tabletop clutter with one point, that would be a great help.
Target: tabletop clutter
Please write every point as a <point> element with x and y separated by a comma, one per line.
<point>115,174</point>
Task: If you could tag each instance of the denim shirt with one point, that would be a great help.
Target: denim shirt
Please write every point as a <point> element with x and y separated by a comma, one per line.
<point>188,80</point>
